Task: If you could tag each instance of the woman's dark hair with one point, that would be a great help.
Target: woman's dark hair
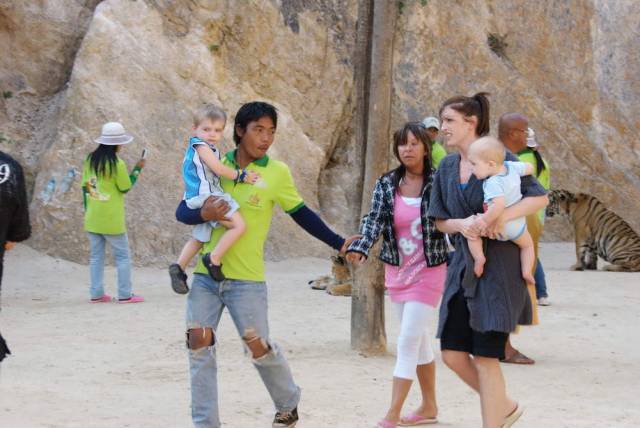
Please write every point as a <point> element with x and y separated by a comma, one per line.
<point>477,105</point>
<point>539,162</point>
<point>252,112</point>
<point>400,138</point>
<point>103,160</point>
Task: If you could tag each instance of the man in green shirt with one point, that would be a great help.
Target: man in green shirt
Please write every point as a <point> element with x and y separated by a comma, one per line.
<point>244,292</point>
<point>542,172</point>
<point>433,129</point>
<point>513,131</point>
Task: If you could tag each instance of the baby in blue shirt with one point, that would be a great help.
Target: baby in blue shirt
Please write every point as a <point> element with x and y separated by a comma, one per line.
<point>501,190</point>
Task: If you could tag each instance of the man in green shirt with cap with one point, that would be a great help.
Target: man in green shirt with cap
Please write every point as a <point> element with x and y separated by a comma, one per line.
<point>433,129</point>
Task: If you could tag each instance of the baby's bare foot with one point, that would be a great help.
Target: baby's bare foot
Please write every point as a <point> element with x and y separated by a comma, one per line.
<point>478,266</point>
<point>528,277</point>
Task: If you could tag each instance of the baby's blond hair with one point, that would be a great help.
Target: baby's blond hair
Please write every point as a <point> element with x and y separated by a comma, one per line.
<point>209,111</point>
<point>488,149</point>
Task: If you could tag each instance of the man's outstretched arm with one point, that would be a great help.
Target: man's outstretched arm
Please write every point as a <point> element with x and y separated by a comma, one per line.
<point>316,227</point>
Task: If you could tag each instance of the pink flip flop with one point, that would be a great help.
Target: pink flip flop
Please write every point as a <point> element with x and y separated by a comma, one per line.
<point>104,299</point>
<point>384,423</point>
<point>132,299</point>
<point>415,419</point>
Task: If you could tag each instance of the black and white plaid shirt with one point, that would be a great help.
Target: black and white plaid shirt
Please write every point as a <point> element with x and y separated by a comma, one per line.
<point>380,220</point>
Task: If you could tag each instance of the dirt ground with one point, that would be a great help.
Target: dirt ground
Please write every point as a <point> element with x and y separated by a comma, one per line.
<point>108,365</point>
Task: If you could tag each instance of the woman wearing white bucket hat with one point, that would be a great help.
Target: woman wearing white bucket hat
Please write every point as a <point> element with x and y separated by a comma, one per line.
<point>105,180</point>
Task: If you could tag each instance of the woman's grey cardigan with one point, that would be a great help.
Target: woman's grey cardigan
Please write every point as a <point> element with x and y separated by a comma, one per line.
<point>380,220</point>
<point>499,299</point>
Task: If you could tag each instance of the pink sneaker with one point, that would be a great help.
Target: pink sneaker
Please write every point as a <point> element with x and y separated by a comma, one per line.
<point>132,299</point>
<point>104,299</point>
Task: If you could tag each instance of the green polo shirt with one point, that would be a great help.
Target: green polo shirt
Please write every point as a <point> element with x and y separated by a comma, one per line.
<point>545,179</point>
<point>104,211</point>
<point>245,259</point>
<point>437,154</point>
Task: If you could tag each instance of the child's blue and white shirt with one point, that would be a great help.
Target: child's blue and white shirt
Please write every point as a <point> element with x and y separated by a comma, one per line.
<point>200,182</point>
<point>198,178</point>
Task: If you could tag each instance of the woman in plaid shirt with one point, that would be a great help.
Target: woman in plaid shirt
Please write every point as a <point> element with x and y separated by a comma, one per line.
<point>414,253</point>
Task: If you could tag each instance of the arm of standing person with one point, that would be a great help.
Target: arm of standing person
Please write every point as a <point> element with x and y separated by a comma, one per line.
<point>85,191</point>
<point>19,227</point>
<point>211,160</point>
<point>494,210</point>
<point>522,168</point>
<point>124,179</point>
<point>316,227</point>
<point>370,227</point>
<point>290,201</point>
<point>135,172</point>
<point>494,191</point>
<point>213,209</point>
<point>439,212</point>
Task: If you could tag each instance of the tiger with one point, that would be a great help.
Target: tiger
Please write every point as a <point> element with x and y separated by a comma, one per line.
<point>339,282</point>
<point>598,232</point>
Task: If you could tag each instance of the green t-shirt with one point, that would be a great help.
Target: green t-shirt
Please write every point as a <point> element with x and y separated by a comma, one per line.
<point>104,212</point>
<point>437,154</point>
<point>245,259</point>
<point>544,178</point>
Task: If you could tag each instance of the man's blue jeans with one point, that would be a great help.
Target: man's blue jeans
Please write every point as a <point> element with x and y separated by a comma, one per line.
<point>541,281</point>
<point>120,250</point>
<point>247,305</point>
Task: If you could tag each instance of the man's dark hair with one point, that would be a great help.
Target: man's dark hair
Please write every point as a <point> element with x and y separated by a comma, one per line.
<point>252,112</point>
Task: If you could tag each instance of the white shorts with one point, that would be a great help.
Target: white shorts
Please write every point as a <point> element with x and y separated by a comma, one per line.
<point>202,232</point>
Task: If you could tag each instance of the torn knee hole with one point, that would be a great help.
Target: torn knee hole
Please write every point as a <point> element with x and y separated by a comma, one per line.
<point>200,337</point>
<point>256,344</point>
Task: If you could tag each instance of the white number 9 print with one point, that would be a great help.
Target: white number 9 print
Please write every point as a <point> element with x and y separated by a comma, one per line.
<point>5,172</point>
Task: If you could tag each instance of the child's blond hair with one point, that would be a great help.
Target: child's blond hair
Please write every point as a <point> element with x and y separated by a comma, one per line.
<point>488,149</point>
<point>209,111</point>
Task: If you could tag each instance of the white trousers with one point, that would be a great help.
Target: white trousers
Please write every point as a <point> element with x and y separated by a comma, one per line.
<point>415,342</point>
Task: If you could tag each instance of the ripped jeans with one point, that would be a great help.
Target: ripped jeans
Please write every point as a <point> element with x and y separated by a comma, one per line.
<point>247,305</point>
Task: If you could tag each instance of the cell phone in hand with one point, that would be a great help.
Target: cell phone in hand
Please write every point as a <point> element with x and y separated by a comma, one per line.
<point>144,154</point>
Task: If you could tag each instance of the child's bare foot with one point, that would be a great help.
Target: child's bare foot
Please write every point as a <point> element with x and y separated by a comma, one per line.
<point>478,266</point>
<point>528,277</point>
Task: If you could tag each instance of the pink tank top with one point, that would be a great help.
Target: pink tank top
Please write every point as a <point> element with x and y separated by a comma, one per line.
<point>413,280</point>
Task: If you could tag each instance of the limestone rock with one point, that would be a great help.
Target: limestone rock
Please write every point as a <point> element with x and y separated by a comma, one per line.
<point>72,66</point>
<point>568,66</point>
<point>152,74</point>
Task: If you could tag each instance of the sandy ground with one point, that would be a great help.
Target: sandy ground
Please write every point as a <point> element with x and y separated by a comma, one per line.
<point>108,365</point>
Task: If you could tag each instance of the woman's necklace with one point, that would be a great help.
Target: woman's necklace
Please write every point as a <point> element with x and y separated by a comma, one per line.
<point>411,176</point>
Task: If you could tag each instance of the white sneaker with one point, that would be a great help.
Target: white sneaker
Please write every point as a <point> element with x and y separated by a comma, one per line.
<point>544,301</point>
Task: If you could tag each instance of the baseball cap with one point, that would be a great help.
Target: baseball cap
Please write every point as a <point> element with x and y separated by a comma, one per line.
<point>431,122</point>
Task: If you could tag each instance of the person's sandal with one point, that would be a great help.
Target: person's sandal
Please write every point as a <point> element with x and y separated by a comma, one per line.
<point>178,279</point>
<point>215,271</point>
<point>385,423</point>
<point>104,299</point>
<point>513,416</point>
<point>414,419</point>
<point>517,358</point>
<point>133,299</point>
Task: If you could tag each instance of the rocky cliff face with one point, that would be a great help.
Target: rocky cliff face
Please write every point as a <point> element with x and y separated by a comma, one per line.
<point>72,66</point>
<point>566,65</point>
